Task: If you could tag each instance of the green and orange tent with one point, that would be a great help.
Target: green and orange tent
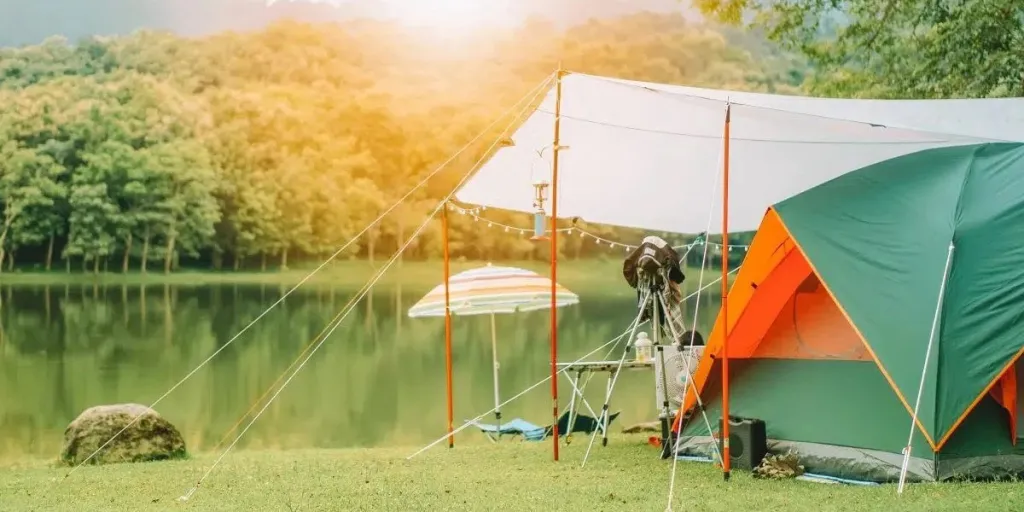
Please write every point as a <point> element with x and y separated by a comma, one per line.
<point>831,315</point>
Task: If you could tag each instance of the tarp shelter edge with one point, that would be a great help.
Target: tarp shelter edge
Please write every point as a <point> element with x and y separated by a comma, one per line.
<point>646,155</point>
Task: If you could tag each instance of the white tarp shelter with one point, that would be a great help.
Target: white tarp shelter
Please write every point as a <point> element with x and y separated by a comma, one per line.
<point>648,155</point>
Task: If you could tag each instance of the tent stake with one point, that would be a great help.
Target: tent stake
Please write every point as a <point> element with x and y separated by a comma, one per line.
<point>725,297</point>
<point>924,371</point>
<point>494,364</point>
<point>447,329</point>
<point>554,259</point>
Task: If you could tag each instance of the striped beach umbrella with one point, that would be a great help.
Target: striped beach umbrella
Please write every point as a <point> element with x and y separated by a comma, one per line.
<point>492,290</point>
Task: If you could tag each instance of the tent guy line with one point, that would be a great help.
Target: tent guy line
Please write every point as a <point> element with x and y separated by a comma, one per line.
<point>924,369</point>
<point>676,94</point>
<point>441,205</point>
<point>316,346</point>
<point>742,139</point>
<point>281,377</point>
<point>531,95</point>
<point>604,162</point>
<point>474,213</point>
<point>636,323</point>
<point>564,369</point>
<point>693,335</point>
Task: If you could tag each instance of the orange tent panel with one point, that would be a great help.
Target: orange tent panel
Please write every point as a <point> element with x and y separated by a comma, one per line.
<point>811,326</point>
<point>1005,392</point>
<point>768,250</point>
<point>779,309</point>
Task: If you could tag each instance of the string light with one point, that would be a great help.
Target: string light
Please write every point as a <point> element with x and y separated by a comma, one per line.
<point>475,214</point>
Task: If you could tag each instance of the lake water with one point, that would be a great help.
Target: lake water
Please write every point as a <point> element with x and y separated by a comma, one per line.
<point>378,380</point>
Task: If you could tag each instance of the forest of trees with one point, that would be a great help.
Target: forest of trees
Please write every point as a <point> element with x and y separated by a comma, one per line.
<point>226,151</point>
<point>908,49</point>
<point>250,150</point>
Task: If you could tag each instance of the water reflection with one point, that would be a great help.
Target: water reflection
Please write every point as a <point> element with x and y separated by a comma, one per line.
<point>379,379</point>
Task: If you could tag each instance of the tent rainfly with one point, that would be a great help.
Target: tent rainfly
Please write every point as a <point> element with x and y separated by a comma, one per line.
<point>834,309</point>
<point>631,143</point>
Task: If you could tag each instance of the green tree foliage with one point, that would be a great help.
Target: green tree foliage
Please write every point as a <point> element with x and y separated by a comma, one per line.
<point>896,48</point>
<point>249,150</point>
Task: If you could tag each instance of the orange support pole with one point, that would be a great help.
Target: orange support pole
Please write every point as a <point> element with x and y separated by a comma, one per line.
<point>554,261</point>
<point>725,297</point>
<point>447,329</point>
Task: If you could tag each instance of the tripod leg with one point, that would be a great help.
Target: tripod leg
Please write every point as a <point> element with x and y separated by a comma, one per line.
<point>666,438</point>
<point>611,386</point>
<point>689,384</point>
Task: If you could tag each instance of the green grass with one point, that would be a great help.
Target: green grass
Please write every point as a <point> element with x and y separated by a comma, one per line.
<point>582,275</point>
<point>627,475</point>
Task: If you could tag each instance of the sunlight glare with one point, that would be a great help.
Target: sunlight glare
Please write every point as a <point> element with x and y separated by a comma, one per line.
<point>448,14</point>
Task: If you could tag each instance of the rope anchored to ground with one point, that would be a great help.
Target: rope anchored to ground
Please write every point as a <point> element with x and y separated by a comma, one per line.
<point>522,104</point>
<point>336,322</point>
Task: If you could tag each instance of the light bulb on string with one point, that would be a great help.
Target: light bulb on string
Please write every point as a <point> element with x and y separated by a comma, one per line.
<point>506,229</point>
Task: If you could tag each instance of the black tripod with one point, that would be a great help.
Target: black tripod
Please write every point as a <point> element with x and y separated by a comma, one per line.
<point>670,438</point>
<point>646,298</point>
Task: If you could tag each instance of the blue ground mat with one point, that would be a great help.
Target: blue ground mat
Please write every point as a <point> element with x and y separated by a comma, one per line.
<point>532,432</point>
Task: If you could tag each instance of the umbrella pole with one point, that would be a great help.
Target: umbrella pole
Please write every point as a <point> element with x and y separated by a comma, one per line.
<point>554,260</point>
<point>447,329</point>
<point>494,356</point>
<point>726,458</point>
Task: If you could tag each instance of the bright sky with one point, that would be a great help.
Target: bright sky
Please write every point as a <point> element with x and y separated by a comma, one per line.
<point>453,15</point>
<point>450,14</point>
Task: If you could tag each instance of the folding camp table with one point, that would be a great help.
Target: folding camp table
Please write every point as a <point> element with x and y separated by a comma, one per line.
<point>574,372</point>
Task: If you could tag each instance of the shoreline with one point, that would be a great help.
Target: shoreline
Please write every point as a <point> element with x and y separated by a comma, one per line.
<point>592,274</point>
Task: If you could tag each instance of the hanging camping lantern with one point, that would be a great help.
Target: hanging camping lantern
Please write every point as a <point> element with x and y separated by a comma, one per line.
<point>540,190</point>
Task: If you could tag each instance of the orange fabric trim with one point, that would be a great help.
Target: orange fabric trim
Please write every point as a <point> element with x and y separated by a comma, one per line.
<point>970,408</point>
<point>768,249</point>
<point>1010,399</point>
<point>1005,392</point>
<point>756,318</point>
<point>765,305</point>
<point>867,345</point>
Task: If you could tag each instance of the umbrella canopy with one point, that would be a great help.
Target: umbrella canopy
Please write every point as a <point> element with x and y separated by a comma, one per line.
<point>491,290</point>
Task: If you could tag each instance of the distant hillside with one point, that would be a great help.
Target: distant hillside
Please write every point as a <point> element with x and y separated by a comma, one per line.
<point>243,150</point>
<point>31,21</point>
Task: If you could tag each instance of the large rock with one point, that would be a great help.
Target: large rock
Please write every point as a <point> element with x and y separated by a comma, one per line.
<point>151,437</point>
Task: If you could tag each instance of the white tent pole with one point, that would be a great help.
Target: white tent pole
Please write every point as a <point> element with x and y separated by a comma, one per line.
<point>494,356</point>
<point>924,371</point>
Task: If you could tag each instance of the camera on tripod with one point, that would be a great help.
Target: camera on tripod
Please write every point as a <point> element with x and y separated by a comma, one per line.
<point>653,269</point>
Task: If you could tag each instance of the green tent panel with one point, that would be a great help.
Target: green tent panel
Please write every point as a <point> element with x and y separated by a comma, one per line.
<point>843,420</point>
<point>879,239</point>
<point>848,404</point>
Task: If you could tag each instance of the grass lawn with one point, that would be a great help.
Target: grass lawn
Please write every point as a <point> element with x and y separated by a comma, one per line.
<point>627,475</point>
<point>591,274</point>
